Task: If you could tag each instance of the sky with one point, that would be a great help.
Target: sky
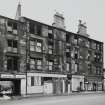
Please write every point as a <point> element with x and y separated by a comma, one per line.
<point>90,11</point>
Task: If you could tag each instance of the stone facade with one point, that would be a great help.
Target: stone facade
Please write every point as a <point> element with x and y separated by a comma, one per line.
<point>49,60</point>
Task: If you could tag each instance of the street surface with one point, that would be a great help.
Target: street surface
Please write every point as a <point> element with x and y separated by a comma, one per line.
<point>91,99</point>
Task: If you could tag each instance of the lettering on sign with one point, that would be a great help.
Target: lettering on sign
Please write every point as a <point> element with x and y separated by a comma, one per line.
<point>7,76</point>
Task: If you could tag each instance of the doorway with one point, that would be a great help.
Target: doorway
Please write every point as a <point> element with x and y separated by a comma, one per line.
<point>16,87</point>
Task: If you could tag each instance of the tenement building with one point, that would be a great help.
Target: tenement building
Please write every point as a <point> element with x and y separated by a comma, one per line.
<point>39,58</point>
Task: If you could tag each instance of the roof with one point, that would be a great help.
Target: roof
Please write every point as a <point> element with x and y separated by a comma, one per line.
<point>50,26</point>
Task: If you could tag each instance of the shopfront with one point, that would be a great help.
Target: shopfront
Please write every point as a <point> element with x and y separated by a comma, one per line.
<point>10,84</point>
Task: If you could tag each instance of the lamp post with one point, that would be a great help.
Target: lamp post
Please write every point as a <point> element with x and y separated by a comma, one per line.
<point>27,52</point>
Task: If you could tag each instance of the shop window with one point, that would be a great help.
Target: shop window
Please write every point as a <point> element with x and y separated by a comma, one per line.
<point>32,81</point>
<point>37,81</point>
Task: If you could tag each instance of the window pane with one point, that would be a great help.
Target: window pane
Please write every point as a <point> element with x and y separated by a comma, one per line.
<point>32,66</point>
<point>32,42</point>
<point>32,48</point>
<point>9,43</point>
<point>68,66</point>
<point>15,26</point>
<point>50,65</point>
<point>32,81</point>
<point>39,44</point>
<point>39,64</point>
<point>9,63</point>
<point>38,47</point>
<point>15,43</point>
<point>32,61</point>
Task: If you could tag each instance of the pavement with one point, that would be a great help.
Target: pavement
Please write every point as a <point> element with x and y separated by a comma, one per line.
<point>5,97</point>
<point>85,98</point>
<point>53,95</point>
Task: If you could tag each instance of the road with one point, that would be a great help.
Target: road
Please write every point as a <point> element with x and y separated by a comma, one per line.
<point>60,100</point>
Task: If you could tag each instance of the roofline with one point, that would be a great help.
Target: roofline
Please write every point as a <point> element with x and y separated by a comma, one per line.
<point>48,26</point>
<point>11,19</point>
<point>61,29</point>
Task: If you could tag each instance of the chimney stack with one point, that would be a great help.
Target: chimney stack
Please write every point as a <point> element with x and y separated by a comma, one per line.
<point>82,29</point>
<point>59,21</point>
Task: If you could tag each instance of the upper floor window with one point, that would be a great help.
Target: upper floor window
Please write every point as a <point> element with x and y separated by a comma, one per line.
<point>75,39</point>
<point>12,43</point>
<point>35,28</point>
<point>35,63</point>
<point>50,65</point>
<point>12,24</point>
<point>12,63</point>
<point>15,26</point>
<point>9,23</point>
<point>32,28</point>
<point>36,45</point>
<point>67,38</point>
<point>68,67</point>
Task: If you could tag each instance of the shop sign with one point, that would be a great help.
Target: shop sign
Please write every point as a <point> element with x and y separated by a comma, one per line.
<point>7,76</point>
<point>20,76</point>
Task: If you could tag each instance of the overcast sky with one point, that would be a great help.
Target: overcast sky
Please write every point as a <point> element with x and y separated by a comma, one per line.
<point>90,11</point>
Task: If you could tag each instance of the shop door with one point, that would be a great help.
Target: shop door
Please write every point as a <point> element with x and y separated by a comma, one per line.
<point>16,88</point>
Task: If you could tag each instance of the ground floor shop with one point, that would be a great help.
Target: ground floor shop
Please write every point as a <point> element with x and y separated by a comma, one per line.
<point>94,84</point>
<point>11,84</point>
<point>46,83</point>
<point>34,83</point>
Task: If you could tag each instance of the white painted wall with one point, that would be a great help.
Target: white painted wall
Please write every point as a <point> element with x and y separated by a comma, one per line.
<point>48,88</point>
<point>23,86</point>
<point>76,79</point>
<point>33,89</point>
